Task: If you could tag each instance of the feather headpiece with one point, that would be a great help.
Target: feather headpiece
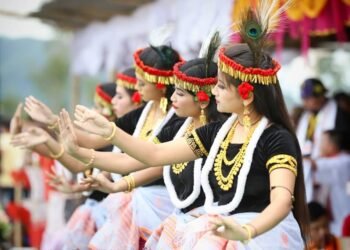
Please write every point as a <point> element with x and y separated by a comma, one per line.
<point>196,84</point>
<point>159,40</point>
<point>255,26</point>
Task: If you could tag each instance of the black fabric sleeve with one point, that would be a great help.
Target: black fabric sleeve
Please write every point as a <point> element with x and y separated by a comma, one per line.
<point>169,132</point>
<point>129,121</point>
<point>281,151</point>
<point>201,139</point>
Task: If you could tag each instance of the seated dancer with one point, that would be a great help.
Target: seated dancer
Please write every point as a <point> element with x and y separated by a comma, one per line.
<point>253,177</point>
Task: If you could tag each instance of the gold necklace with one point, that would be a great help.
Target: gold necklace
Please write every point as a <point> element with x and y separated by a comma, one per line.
<point>179,167</point>
<point>225,183</point>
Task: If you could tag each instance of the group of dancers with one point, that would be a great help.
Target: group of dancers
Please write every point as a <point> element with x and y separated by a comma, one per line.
<point>202,154</point>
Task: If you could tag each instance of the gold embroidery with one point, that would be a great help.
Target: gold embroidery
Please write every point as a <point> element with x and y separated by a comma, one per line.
<point>193,145</point>
<point>225,183</point>
<point>199,143</point>
<point>156,140</point>
<point>179,167</point>
<point>282,161</point>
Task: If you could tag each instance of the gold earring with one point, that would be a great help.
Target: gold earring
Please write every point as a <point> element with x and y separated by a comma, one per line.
<point>163,104</point>
<point>203,118</point>
<point>246,118</point>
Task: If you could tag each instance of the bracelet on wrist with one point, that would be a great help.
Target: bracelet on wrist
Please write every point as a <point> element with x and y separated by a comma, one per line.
<point>114,130</point>
<point>130,182</point>
<point>54,125</point>
<point>249,233</point>
<point>92,159</point>
<point>58,155</point>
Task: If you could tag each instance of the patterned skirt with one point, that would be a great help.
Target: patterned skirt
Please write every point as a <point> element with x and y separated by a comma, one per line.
<point>188,231</point>
<point>83,224</point>
<point>132,216</point>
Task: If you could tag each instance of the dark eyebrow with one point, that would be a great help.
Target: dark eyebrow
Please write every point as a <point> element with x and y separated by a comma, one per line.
<point>180,89</point>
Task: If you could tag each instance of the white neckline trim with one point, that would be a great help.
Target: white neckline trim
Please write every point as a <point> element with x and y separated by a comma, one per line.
<point>196,176</point>
<point>242,176</point>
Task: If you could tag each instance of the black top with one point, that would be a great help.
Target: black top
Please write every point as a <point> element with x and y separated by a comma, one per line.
<point>129,121</point>
<point>183,182</point>
<point>173,125</point>
<point>275,141</point>
<point>128,124</point>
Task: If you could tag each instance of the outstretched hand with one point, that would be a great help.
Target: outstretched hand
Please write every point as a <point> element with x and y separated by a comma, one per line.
<point>100,182</point>
<point>92,121</point>
<point>30,138</point>
<point>16,122</point>
<point>67,134</point>
<point>227,228</point>
<point>38,111</point>
<point>61,184</point>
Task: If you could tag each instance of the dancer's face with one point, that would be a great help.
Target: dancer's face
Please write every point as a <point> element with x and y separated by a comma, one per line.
<point>148,90</point>
<point>184,104</point>
<point>122,103</point>
<point>227,97</point>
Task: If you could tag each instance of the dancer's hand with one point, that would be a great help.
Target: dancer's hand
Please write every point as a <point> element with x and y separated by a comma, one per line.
<point>92,122</point>
<point>100,182</point>
<point>30,138</point>
<point>227,228</point>
<point>67,134</point>
<point>16,121</point>
<point>61,184</point>
<point>38,111</point>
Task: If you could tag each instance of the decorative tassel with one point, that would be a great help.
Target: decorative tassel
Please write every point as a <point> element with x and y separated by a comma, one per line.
<point>163,104</point>
<point>246,119</point>
<point>203,118</point>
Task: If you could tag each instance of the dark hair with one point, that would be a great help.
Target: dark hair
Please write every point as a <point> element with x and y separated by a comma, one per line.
<point>198,68</point>
<point>340,138</point>
<point>108,88</point>
<point>130,72</point>
<point>316,211</point>
<point>269,102</point>
<point>163,58</point>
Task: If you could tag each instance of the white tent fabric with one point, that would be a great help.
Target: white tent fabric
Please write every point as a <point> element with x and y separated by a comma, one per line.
<point>109,46</point>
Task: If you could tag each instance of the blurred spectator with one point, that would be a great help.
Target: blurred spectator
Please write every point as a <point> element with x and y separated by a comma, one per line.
<point>343,101</point>
<point>320,237</point>
<point>332,170</point>
<point>321,114</point>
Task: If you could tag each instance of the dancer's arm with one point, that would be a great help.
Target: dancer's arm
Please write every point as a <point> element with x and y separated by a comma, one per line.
<point>140,178</point>
<point>151,154</point>
<point>40,112</point>
<point>40,141</point>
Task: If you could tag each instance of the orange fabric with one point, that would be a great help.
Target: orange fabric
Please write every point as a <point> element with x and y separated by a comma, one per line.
<point>312,8</point>
<point>333,243</point>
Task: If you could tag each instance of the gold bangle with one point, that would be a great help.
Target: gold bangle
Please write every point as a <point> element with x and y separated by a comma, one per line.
<point>54,125</point>
<point>130,181</point>
<point>92,159</point>
<point>59,155</point>
<point>126,178</point>
<point>254,228</point>
<point>249,232</point>
<point>113,132</point>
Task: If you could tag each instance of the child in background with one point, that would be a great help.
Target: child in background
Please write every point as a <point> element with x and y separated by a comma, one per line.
<point>320,237</point>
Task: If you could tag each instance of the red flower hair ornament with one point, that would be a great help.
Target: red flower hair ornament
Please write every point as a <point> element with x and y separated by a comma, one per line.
<point>136,97</point>
<point>202,96</point>
<point>244,90</point>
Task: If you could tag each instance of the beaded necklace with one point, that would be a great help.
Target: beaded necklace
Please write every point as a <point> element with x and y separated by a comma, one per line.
<point>179,167</point>
<point>226,182</point>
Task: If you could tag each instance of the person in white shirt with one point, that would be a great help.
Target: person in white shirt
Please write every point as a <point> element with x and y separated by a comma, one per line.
<point>332,170</point>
